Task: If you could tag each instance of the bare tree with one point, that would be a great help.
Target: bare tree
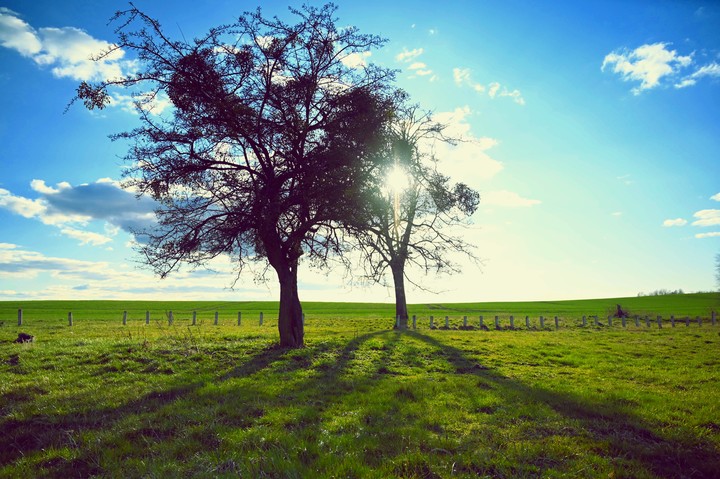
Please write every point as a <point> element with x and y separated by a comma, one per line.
<point>411,215</point>
<point>271,138</point>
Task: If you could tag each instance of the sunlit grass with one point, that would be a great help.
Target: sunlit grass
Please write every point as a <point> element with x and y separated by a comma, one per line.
<point>360,400</point>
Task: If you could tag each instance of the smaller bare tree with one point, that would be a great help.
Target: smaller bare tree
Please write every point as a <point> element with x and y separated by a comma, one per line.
<point>412,213</point>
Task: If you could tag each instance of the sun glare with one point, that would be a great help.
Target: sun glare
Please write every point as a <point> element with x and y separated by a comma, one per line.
<point>397,180</point>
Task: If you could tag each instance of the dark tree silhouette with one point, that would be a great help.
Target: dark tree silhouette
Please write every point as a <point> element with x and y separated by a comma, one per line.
<point>271,138</point>
<point>415,226</point>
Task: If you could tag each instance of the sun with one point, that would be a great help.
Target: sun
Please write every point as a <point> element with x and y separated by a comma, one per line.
<point>397,180</point>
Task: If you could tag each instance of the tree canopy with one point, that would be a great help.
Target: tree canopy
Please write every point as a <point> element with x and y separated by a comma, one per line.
<point>273,139</point>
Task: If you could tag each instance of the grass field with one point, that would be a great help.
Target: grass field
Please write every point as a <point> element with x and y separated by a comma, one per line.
<point>360,400</point>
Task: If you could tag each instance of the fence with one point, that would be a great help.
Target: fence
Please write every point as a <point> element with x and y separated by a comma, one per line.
<point>499,323</point>
<point>169,315</point>
<point>586,321</point>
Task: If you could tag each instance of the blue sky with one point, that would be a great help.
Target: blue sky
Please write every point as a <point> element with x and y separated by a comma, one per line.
<point>594,133</point>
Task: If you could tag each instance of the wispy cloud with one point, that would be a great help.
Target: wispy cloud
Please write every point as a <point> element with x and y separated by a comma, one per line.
<point>714,234</point>
<point>507,199</point>
<point>67,51</point>
<point>674,222</point>
<point>82,279</point>
<point>416,67</point>
<point>462,77</point>
<point>653,65</point>
<point>715,197</point>
<point>707,218</point>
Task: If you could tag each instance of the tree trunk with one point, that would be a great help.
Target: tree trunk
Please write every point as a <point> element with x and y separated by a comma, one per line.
<point>290,323</point>
<point>400,301</point>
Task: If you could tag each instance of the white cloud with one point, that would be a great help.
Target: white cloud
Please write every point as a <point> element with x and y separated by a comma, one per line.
<point>652,64</point>
<point>409,55</point>
<point>713,234</point>
<point>66,207</point>
<point>508,199</point>
<point>18,35</point>
<point>616,213</point>
<point>707,218</point>
<point>85,237</point>
<point>356,60</point>
<point>153,103</point>
<point>674,222</point>
<point>417,67</point>
<point>68,51</point>
<point>467,159</point>
<point>715,197</point>
<point>462,77</point>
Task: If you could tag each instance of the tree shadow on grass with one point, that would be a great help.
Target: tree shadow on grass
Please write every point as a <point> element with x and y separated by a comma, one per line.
<point>303,394</point>
<point>629,436</point>
<point>41,432</point>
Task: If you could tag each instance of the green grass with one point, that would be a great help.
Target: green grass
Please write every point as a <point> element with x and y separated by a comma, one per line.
<point>360,400</point>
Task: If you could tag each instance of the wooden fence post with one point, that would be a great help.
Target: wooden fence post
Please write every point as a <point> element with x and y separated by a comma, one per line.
<point>481,323</point>
<point>512,322</point>
<point>584,321</point>
<point>647,321</point>
<point>527,322</point>
<point>659,321</point>
<point>497,322</point>
<point>124,318</point>
<point>624,323</point>
<point>597,323</point>
<point>19,317</point>
<point>447,321</point>
<point>610,320</point>
<point>70,319</point>
<point>431,322</point>
<point>542,322</point>
<point>712,315</point>
<point>637,321</point>
<point>170,318</point>
<point>147,317</point>
<point>216,318</point>
<point>261,319</point>
<point>672,320</point>
<point>239,317</point>
<point>687,321</point>
<point>464,321</point>
<point>414,321</point>
<point>194,321</point>
<point>557,323</point>
<point>699,320</point>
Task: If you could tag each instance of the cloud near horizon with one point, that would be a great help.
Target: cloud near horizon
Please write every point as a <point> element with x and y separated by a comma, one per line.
<point>67,207</point>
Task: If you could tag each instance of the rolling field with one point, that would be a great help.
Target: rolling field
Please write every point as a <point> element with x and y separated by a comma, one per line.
<point>360,400</point>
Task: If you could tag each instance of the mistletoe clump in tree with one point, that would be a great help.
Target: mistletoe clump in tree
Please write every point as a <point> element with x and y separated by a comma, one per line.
<point>272,137</point>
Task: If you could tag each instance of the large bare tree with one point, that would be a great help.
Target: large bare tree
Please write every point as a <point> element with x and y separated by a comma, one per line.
<point>413,212</point>
<point>271,140</point>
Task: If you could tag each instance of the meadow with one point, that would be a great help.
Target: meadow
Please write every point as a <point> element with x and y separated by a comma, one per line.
<point>103,399</point>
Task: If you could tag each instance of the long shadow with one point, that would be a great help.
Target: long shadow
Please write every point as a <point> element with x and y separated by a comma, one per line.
<point>630,436</point>
<point>19,438</point>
